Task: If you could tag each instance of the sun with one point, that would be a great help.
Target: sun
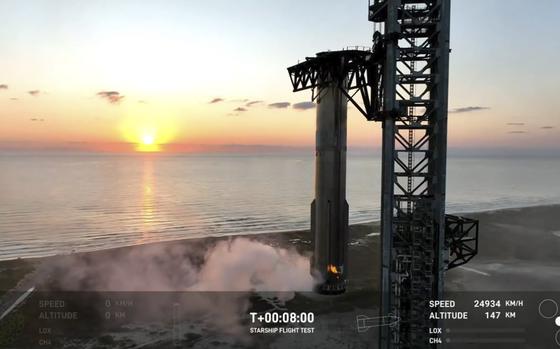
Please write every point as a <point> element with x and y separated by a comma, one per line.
<point>148,142</point>
<point>148,139</point>
<point>147,134</point>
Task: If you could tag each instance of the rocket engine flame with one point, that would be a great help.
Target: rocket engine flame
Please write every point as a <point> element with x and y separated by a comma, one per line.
<point>332,269</point>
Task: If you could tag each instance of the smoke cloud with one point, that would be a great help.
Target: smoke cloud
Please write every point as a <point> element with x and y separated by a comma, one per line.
<point>236,265</point>
<point>231,269</point>
<point>245,265</point>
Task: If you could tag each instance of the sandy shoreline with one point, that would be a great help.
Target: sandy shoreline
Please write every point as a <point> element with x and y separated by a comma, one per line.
<point>366,223</point>
<point>518,251</point>
<point>495,243</point>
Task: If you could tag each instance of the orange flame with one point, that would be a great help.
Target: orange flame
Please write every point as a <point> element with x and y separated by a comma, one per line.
<point>332,269</point>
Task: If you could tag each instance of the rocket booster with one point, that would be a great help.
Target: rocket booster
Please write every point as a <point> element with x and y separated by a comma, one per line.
<point>329,210</point>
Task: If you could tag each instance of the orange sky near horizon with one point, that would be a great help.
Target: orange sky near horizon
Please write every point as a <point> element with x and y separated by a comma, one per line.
<point>51,121</point>
<point>107,77</point>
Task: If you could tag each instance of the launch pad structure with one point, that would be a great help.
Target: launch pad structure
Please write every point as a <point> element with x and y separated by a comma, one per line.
<point>402,82</point>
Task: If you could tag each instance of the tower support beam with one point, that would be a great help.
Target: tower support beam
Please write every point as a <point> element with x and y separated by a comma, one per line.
<point>391,107</point>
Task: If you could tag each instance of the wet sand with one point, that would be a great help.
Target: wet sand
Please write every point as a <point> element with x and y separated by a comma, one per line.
<point>519,250</point>
<point>514,244</point>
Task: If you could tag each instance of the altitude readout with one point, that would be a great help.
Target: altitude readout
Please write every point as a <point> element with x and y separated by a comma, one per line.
<point>498,308</point>
<point>496,304</point>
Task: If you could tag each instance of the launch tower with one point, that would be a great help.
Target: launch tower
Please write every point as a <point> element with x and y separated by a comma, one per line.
<point>402,82</point>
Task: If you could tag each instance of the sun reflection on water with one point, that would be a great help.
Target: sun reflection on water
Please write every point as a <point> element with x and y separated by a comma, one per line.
<point>148,204</point>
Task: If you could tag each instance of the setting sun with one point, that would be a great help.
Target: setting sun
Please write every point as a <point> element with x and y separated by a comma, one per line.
<point>147,132</point>
<point>148,139</point>
<point>148,143</point>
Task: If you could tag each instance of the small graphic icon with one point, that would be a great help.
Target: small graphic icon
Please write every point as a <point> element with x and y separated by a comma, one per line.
<point>364,323</point>
<point>548,309</point>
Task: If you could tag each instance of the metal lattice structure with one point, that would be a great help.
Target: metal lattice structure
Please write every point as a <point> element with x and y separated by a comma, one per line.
<point>354,71</point>
<point>461,238</point>
<point>414,164</point>
<point>403,83</point>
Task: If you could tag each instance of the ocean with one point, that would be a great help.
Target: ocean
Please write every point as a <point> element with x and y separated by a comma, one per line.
<point>57,203</point>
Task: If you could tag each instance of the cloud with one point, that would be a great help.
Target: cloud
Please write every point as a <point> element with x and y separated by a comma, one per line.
<point>243,100</point>
<point>239,264</point>
<point>517,132</point>
<point>3,87</point>
<point>245,265</point>
<point>251,103</point>
<point>141,101</point>
<point>112,97</point>
<point>37,119</point>
<point>236,111</point>
<point>216,100</point>
<point>238,268</point>
<point>279,105</point>
<point>34,93</point>
<point>467,109</point>
<point>515,124</point>
<point>304,105</point>
<point>14,99</point>
<point>548,127</point>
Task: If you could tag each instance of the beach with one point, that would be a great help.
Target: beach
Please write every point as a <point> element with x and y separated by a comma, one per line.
<point>518,251</point>
<point>521,236</point>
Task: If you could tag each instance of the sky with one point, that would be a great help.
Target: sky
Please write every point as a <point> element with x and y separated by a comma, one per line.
<point>104,74</point>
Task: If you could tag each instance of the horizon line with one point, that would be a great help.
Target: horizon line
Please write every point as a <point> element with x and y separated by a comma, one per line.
<point>178,148</point>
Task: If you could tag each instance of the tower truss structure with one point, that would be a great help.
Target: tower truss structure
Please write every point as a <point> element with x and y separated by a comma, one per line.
<point>402,82</point>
